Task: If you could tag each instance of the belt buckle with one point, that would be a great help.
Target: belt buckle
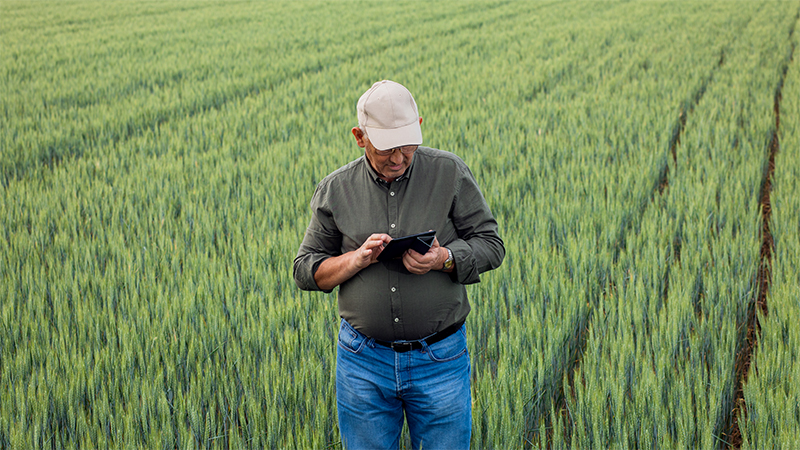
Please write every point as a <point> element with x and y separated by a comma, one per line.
<point>402,347</point>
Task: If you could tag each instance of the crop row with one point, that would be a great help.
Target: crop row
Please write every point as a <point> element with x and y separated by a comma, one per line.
<point>660,362</point>
<point>570,197</point>
<point>152,302</point>
<point>772,416</point>
<point>78,86</point>
<point>158,160</point>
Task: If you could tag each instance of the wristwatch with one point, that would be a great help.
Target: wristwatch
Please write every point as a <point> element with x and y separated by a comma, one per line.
<point>448,263</point>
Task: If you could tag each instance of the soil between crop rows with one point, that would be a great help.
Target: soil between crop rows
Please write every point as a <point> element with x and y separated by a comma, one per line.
<point>745,356</point>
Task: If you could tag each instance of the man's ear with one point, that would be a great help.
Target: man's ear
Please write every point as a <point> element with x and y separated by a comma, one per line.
<point>361,138</point>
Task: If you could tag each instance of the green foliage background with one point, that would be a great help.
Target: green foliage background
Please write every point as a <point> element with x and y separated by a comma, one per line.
<point>157,159</point>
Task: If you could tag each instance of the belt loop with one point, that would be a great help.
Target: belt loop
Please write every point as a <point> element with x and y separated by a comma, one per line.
<point>425,346</point>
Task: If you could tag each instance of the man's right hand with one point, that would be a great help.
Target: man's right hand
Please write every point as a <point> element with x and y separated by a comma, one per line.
<point>368,252</point>
<point>338,269</point>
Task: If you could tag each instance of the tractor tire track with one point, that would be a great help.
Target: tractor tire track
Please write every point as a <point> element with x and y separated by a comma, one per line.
<point>577,345</point>
<point>747,345</point>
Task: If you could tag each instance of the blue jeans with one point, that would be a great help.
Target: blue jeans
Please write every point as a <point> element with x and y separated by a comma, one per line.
<point>375,385</point>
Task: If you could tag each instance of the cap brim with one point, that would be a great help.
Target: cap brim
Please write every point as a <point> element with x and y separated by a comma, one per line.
<point>385,139</point>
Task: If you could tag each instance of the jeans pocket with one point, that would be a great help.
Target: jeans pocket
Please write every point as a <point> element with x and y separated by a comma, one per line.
<point>453,347</point>
<point>350,339</point>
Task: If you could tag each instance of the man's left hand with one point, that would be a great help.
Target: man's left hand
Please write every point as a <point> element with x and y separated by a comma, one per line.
<point>420,264</point>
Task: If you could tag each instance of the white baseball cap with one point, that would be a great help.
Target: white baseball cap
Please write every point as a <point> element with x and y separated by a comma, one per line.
<point>388,114</point>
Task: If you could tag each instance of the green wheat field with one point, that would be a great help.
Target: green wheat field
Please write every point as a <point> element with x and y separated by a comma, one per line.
<point>157,159</point>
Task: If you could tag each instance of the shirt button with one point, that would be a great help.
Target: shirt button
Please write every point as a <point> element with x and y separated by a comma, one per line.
<point>396,319</point>
<point>391,193</point>
<point>392,225</point>
<point>394,289</point>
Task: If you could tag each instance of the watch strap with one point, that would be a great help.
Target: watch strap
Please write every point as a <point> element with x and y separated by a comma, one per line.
<point>448,263</point>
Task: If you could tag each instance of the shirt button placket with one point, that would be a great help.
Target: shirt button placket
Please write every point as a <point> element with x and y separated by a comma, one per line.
<point>393,211</point>
<point>394,296</point>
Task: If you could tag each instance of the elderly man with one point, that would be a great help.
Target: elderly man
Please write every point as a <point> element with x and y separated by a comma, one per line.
<point>402,340</point>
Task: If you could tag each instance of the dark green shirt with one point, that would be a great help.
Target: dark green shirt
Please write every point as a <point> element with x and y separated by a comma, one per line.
<point>385,301</point>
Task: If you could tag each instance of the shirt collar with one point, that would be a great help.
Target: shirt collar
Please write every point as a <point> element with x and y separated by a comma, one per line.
<point>374,174</point>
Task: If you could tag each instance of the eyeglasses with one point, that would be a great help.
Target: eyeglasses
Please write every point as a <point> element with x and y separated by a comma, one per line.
<point>406,150</point>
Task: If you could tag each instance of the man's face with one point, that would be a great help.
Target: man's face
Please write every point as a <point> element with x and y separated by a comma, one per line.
<point>392,165</point>
<point>389,164</point>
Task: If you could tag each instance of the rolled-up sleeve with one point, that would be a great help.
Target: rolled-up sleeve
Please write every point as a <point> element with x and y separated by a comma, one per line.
<point>479,247</point>
<point>321,241</point>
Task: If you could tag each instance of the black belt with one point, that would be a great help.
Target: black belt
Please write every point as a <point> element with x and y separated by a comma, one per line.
<point>402,347</point>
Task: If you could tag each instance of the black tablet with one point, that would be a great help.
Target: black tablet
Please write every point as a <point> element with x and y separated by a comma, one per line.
<point>420,242</point>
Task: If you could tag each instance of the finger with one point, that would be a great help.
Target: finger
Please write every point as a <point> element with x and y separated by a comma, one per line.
<point>410,262</point>
<point>382,236</point>
<point>415,256</point>
<point>416,265</point>
<point>415,269</point>
<point>427,257</point>
<point>377,240</point>
<point>372,243</point>
<point>362,258</point>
